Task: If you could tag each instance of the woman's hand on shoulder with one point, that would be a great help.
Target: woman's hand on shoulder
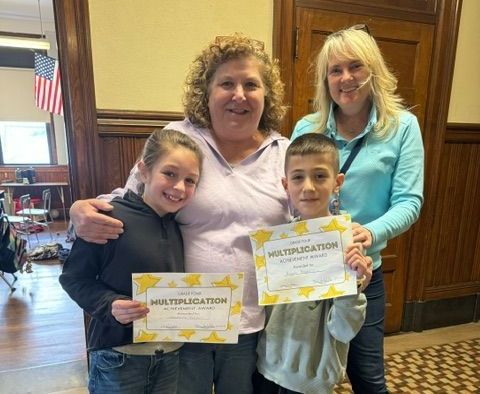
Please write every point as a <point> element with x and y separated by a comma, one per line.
<point>362,235</point>
<point>126,311</point>
<point>91,225</point>
<point>361,264</point>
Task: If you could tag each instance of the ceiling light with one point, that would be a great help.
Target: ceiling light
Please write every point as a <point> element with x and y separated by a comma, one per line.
<point>20,42</point>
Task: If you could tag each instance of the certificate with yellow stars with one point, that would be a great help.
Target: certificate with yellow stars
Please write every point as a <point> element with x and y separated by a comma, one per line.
<point>188,307</point>
<point>303,261</point>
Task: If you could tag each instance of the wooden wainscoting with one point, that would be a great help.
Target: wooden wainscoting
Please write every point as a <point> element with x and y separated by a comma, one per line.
<point>451,290</point>
<point>121,136</point>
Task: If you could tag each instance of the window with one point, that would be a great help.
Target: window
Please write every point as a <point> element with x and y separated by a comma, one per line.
<point>25,143</point>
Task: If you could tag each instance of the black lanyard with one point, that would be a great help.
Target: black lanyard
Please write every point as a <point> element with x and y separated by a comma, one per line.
<point>352,156</point>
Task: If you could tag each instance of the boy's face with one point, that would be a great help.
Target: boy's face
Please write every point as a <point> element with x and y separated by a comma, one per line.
<point>310,181</point>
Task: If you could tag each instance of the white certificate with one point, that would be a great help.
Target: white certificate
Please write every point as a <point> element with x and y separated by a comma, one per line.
<point>188,307</point>
<point>303,261</point>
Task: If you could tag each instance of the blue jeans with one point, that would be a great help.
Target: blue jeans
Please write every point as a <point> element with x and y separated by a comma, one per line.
<point>228,367</point>
<point>115,372</point>
<point>365,366</point>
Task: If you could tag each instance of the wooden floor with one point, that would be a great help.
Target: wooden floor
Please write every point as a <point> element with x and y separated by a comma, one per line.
<point>39,324</point>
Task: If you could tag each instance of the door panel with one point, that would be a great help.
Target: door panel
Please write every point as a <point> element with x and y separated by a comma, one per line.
<point>407,47</point>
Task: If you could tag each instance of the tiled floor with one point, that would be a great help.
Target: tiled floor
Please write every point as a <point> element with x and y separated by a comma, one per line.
<point>453,367</point>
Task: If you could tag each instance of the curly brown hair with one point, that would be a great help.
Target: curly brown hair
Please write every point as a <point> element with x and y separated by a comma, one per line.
<point>218,52</point>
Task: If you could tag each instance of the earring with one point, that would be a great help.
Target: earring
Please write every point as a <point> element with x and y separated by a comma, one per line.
<point>334,205</point>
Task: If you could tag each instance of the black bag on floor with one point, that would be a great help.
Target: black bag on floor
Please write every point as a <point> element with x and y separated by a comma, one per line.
<point>12,248</point>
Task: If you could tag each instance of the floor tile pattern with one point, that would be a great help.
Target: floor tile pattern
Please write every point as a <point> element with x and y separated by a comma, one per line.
<point>448,368</point>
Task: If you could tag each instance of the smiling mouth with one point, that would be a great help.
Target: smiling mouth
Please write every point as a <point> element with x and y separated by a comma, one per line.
<point>172,198</point>
<point>349,90</point>
<point>238,111</point>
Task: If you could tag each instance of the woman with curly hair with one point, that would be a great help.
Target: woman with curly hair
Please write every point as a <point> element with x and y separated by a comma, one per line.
<point>233,105</point>
<point>357,105</point>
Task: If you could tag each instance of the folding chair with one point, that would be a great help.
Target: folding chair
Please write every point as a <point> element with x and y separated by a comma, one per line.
<point>23,222</point>
<point>44,212</point>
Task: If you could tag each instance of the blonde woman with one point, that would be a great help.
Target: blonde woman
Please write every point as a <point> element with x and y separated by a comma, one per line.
<point>357,106</point>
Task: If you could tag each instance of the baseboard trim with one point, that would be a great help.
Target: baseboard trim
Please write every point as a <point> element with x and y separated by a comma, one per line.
<point>425,315</point>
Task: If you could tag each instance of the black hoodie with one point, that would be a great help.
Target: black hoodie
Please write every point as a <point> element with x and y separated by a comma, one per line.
<point>96,275</point>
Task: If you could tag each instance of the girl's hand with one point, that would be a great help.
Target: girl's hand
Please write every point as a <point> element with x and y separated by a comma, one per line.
<point>126,311</point>
<point>91,225</point>
<point>362,235</point>
<point>361,264</point>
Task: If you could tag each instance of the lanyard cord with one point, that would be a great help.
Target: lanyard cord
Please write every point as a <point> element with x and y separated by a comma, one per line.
<point>352,155</point>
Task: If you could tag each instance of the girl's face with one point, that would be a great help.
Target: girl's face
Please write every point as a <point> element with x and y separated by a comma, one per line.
<point>236,99</point>
<point>171,183</point>
<point>348,84</point>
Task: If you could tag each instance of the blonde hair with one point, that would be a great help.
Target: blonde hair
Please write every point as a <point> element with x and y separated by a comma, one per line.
<point>356,44</point>
<point>218,52</point>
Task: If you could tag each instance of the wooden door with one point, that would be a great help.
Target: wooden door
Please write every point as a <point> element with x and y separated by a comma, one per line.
<point>407,47</point>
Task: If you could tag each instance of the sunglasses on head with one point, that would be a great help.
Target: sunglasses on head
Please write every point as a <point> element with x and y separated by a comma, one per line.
<point>361,26</point>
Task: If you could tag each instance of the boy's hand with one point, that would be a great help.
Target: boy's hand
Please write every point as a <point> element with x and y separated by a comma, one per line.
<point>126,311</point>
<point>361,264</point>
<point>91,225</point>
<point>362,235</point>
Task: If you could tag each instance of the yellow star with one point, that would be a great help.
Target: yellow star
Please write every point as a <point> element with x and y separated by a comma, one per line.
<point>259,261</point>
<point>305,291</point>
<point>166,339</point>
<point>213,338</point>
<point>347,276</point>
<point>332,292</point>
<point>300,228</point>
<point>237,308</point>
<point>186,333</point>
<point>172,284</point>
<point>283,235</point>
<point>240,275</point>
<point>229,326</point>
<point>334,226</point>
<point>225,282</point>
<point>146,281</point>
<point>192,279</point>
<point>261,236</point>
<point>287,300</point>
<point>144,336</point>
<point>268,299</point>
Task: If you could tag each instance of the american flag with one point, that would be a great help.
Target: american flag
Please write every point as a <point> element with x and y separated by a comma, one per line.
<point>48,90</point>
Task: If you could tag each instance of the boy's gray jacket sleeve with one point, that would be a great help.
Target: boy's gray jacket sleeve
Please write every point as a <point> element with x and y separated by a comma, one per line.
<point>346,317</point>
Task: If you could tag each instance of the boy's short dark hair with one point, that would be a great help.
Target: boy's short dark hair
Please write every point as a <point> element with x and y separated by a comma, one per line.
<point>313,143</point>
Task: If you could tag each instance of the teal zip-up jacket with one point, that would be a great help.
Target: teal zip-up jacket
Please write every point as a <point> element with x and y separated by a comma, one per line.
<point>383,188</point>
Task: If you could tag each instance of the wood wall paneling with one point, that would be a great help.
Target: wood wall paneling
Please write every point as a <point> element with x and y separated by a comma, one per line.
<point>455,254</point>
<point>408,10</point>
<point>75,58</point>
<point>122,135</point>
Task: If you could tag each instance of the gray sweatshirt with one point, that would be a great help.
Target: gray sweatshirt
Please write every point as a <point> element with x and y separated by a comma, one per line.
<point>304,345</point>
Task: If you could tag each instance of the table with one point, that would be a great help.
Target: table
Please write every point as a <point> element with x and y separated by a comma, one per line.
<point>11,186</point>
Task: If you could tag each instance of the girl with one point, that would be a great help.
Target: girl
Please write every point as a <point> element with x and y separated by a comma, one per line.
<point>98,277</point>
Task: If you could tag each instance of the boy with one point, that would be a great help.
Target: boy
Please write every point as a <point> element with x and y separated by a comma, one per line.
<point>304,345</point>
